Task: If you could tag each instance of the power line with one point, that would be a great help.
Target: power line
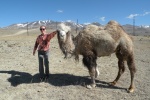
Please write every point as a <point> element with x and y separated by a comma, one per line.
<point>27,29</point>
<point>77,26</point>
<point>134,25</point>
<point>56,25</point>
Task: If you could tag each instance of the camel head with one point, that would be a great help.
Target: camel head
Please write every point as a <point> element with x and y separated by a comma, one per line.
<point>62,35</point>
<point>65,39</point>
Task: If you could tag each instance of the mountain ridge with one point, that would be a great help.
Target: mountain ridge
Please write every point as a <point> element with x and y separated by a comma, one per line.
<point>138,30</point>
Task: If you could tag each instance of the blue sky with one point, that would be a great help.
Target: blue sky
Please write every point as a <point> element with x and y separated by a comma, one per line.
<point>86,11</point>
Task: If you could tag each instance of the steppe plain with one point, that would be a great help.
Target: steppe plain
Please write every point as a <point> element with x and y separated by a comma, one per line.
<point>19,72</point>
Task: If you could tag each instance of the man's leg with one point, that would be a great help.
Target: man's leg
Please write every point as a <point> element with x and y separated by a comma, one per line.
<point>41,68</point>
<point>46,62</point>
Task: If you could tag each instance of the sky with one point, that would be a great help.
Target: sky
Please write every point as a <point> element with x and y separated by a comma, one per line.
<point>85,11</point>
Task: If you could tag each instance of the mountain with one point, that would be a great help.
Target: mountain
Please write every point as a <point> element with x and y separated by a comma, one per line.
<point>145,26</point>
<point>49,23</point>
<point>138,30</point>
<point>30,25</point>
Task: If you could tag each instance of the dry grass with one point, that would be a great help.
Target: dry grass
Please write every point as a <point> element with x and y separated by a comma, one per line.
<point>19,73</point>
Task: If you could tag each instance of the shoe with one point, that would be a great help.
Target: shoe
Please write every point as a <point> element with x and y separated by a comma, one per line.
<point>42,79</point>
<point>47,76</point>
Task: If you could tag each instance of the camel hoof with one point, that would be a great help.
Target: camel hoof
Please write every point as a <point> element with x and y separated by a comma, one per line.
<point>97,73</point>
<point>113,83</point>
<point>91,86</point>
<point>130,90</point>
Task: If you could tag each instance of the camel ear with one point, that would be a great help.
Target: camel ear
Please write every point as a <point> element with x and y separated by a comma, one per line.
<point>68,33</point>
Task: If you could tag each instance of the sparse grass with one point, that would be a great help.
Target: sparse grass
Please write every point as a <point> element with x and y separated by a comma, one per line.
<point>8,31</point>
<point>67,79</point>
<point>32,34</point>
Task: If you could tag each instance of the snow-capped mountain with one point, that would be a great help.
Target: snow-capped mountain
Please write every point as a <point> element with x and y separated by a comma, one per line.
<point>143,29</point>
<point>48,23</point>
<point>145,26</point>
<point>138,30</point>
<point>34,24</point>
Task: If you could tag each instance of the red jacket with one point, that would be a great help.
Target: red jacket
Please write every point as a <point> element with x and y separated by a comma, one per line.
<point>43,41</point>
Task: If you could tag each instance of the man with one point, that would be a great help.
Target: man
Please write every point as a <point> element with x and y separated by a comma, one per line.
<point>43,43</point>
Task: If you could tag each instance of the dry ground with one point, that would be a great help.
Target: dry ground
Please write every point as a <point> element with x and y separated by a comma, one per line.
<point>19,73</point>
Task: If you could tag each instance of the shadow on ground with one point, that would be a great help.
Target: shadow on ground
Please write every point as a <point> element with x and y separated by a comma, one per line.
<point>61,79</point>
<point>18,78</point>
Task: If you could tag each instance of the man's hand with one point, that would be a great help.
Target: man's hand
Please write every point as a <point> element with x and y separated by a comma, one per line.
<point>33,52</point>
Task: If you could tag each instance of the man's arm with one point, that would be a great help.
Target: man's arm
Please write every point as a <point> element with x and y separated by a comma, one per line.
<point>51,35</point>
<point>35,46</point>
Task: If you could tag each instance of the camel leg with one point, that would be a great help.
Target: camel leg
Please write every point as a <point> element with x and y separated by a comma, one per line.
<point>90,63</point>
<point>65,55</point>
<point>92,73</point>
<point>121,67</point>
<point>131,66</point>
<point>97,72</point>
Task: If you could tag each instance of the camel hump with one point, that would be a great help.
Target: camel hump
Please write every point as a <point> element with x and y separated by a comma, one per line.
<point>113,22</point>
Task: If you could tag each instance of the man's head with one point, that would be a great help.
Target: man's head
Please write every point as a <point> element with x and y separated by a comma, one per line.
<point>43,29</point>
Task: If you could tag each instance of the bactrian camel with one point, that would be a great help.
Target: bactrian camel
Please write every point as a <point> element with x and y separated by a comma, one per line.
<point>93,42</point>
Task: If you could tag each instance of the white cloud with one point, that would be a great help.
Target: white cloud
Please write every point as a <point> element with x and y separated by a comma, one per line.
<point>60,11</point>
<point>87,23</point>
<point>102,19</point>
<point>132,15</point>
<point>146,13</point>
<point>68,20</point>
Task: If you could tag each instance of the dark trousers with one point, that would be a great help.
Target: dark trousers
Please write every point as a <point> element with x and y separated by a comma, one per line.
<point>43,57</point>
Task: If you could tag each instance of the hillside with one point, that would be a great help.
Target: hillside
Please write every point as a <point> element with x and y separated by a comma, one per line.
<point>19,78</point>
<point>138,30</point>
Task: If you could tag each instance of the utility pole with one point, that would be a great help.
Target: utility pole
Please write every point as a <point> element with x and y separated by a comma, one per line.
<point>134,25</point>
<point>48,23</point>
<point>27,29</point>
<point>77,26</point>
<point>56,25</point>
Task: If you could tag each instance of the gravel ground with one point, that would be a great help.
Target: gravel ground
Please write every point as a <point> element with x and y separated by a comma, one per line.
<point>19,78</point>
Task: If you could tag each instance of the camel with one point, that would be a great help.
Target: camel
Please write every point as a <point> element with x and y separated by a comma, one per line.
<point>93,42</point>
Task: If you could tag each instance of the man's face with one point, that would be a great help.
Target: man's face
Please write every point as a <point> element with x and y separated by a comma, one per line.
<point>43,30</point>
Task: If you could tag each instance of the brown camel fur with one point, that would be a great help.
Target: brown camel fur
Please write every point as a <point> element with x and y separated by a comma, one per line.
<point>93,42</point>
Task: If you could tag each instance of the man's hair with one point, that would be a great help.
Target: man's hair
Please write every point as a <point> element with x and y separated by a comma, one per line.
<point>42,26</point>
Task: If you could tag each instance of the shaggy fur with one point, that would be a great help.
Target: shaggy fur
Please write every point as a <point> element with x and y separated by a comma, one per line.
<point>66,45</point>
<point>65,40</point>
<point>93,42</point>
